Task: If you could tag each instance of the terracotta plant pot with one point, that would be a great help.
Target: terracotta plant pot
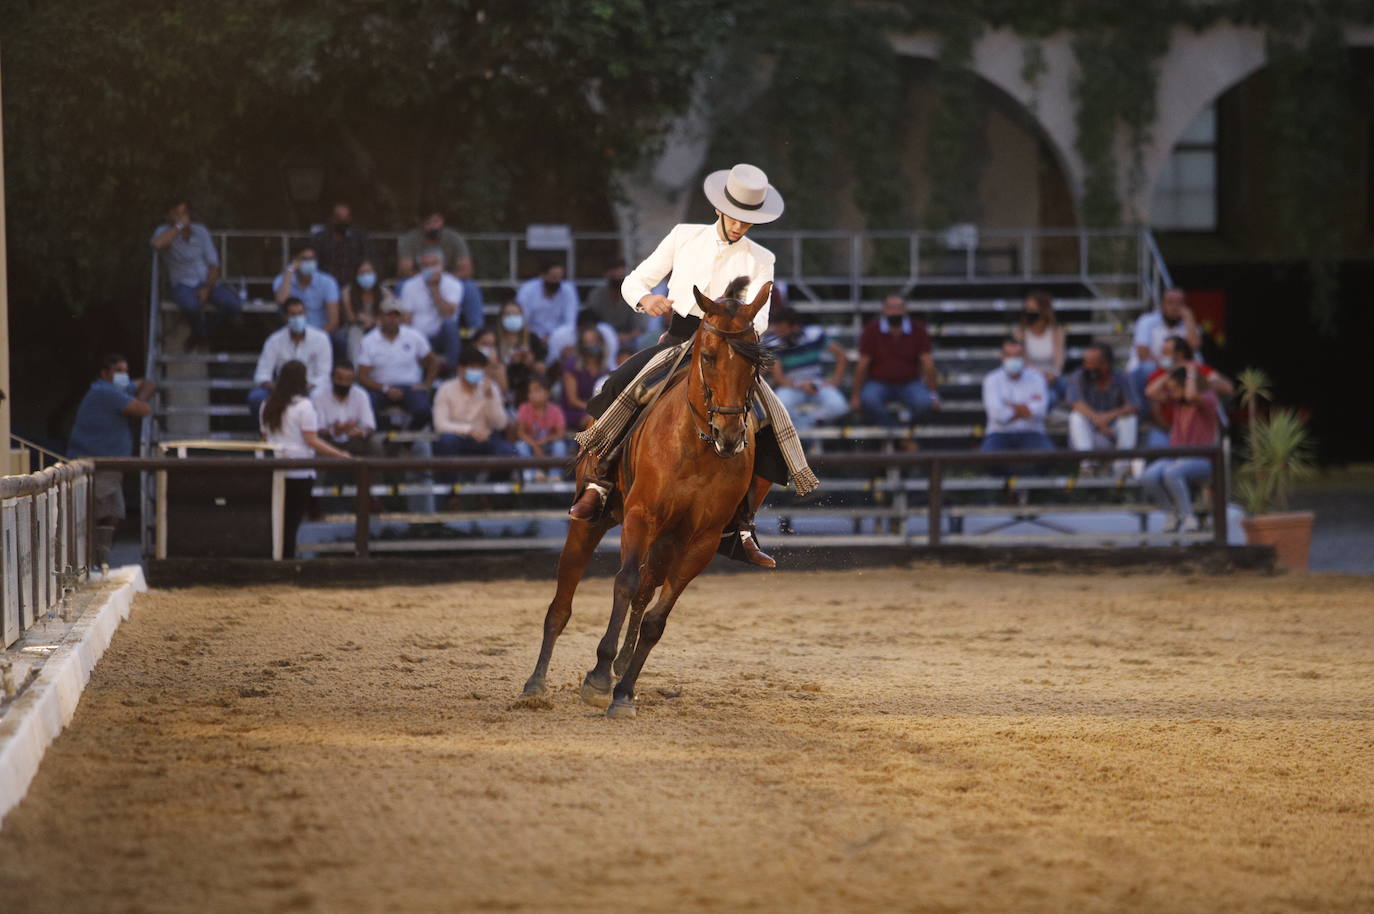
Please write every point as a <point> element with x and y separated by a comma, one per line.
<point>1290,534</point>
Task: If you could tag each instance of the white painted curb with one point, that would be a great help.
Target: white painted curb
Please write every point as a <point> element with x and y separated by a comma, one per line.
<point>47,705</point>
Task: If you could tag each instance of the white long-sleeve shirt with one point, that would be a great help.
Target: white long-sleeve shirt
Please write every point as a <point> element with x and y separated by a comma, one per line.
<point>415,299</point>
<point>459,409</point>
<point>313,349</point>
<point>695,255</point>
<point>1000,390</point>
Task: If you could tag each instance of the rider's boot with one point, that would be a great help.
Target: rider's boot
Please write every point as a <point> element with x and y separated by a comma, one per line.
<point>744,519</point>
<point>591,501</point>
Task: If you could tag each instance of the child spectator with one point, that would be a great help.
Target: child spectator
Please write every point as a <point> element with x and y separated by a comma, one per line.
<point>1194,423</point>
<point>580,374</point>
<point>540,428</point>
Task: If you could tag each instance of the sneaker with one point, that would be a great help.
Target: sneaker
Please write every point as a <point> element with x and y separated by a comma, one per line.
<point>1190,524</point>
<point>1171,523</point>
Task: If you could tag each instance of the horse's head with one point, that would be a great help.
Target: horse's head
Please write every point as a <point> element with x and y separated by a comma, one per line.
<point>727,356</point>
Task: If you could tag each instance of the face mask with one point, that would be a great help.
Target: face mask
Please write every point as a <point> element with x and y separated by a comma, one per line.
<point>1166,362</point>
<point>429,273</point>
<point>432,234</point>
<point>488,351</point>
<point>513,323</point>
<point>367,280</point>
<point>474,376</point>
<point>342,390</point>
<point>120,379</point>
<point>593,352</point>
<point>1013,365</point>
<point>341,227</point>
<point>551,288</point>
<point>296,323</point>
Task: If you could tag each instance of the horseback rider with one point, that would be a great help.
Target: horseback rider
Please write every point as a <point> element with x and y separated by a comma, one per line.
<point>709,257</point>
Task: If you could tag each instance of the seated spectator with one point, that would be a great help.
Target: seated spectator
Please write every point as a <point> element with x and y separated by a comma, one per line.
<point>192,265</point>
<point>540,428</point>
<point>298,342</point>
<point>484,341</point>
<point>1177,353</point>
<point>1016,400</point>
<point>341,246</point>
<point>432,232</point>
<point>580,375</point>
<point>548,300</point>
<point>522,353</point>
<point>563,341</point>
<point>101,429</point>
<point>468,413</point>
<point>346,417</point>
<point>398,369</point>
<point>289,422</point>
<point>362,302</point>
<point>1195,423</point>
<point>895,363</point>
<point>1172,318</point>
<point>431,301</point>
<point>606,302</point>
<point>1043,338</point>
<point>1102,412</point>
<point>799,374</point>
<point>303,279</point>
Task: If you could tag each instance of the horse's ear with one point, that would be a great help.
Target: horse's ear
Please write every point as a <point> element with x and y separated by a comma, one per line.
<point>759,301</point>
<point>706,305</point>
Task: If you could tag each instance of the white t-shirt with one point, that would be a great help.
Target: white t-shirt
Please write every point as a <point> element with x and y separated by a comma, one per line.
<point>1151,331</point>
<point>395,362</point>
<point>297,419</point>
<point>416,301</point>
<point>356,407</point>
<point>566,336</point>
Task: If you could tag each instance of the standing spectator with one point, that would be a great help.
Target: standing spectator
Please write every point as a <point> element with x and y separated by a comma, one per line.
<point>340,245</point>
<point>101,429</point>
<point>1177,353</point>
<point>1042,337</point>
<point>798,373</point>
<point>433,233</point>
<point>192,264</point>
<point>563,341</point>
<point>398,368</point>
<point>606,302</point>
<point>1172,318</point>
<point>549,301</point>
<point>1102,412</point>
<point>1016,400</point>
<point>895,363</point>
<point>580,374</point>
<point>431,300</point>
<point>540,427</point>
<point>289,422</point>
<point>346,416</point>
<point>297,341</point>
<point>521,352</point>
<point>362,302</point>
<point>1195,424</point>
<point>319,291</point>
<point>468,413</point>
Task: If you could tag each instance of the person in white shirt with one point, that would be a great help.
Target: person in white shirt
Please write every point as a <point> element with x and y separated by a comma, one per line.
<point>549,300</point>
<point>289,422</point>
<point>296,341</point>
<point>1016,400</point>
<point>1172,318</point>
<point>563,341</point>
<point>708,257</point>
<point>431,300</point>
<point>398,368</point>
<point>346,416</point>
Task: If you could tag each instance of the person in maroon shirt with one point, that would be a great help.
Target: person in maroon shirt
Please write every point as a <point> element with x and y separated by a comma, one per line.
<point>895,363</point>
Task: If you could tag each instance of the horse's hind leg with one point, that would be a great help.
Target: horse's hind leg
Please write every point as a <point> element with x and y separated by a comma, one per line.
<point>650,579</point>
<point>577,551</point>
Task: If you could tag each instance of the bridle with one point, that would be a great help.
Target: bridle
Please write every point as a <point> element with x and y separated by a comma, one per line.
<point>709,398</point>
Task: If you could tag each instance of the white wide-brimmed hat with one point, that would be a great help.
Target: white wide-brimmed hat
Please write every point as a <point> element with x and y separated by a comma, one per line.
<point>743,193</point>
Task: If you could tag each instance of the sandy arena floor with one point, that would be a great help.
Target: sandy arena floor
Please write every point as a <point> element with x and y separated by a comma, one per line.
<point>919,740</point>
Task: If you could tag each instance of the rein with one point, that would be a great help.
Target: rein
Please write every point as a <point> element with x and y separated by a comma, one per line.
<point>712,410</point>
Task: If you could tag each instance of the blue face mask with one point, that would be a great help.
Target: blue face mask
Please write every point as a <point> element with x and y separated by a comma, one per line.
<point>307,268</point>
<point>474,376</point>
<point>367,280</point>
<point>429,273</point>
<point>513,323</point>
<point>296,323</point>
<point>1013,365</point>
<point>120,379</point>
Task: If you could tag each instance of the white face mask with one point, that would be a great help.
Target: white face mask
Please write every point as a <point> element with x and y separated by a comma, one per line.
<point>1013,365</point>
<point>120,379</point>
<point>1166,362</point>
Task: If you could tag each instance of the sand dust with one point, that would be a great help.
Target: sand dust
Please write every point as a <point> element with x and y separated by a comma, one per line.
<point>913,740</point>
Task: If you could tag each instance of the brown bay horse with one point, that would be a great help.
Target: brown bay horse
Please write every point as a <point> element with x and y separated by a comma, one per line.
<point>687,467</point>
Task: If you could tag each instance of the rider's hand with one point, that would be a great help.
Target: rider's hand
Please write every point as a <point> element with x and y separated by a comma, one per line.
<point>656,305</point>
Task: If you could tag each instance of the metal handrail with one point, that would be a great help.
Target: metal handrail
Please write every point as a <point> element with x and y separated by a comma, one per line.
<point>37,448</point>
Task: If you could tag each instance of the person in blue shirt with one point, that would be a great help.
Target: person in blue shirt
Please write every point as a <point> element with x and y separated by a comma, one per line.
<point>303,279</point>
<point>101,429</point>
<point>193,271</point>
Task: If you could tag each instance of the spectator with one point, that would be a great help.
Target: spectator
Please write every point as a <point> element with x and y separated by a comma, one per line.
<point>580,374</point>
<point>289,422</point>
<point>192,264</point>
<point>341,246</point>
<point>468,413</point>
<point>548,300</point>
<point>297,341</point>
<point>1016,400</point>
<point>362,302</point>
<point>484,341</point>
<point>895,363</point>
<point>563,341</point>
<point>433,233</point>
<point>1177,353</point>
<point>1172,318</point>
<point>431,301</point>
<point>346,416</point>
<point>1042,337</point>
<point>798,373</point>
<point>606,303</point>
<point>101,429</point>
<point>319,291</point>
<point>398,368</point>
<point>1195,423</point>
<point>540,428</point>
<point>1102,412</point>
<point>521,352</point>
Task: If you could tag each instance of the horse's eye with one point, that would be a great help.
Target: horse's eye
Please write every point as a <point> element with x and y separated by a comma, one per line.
<point>708,358</point>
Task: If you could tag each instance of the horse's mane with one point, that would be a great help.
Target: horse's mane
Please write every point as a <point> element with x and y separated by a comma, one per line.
<point>752,351</point>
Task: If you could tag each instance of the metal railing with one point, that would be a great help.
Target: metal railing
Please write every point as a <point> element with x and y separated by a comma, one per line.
<point>46,542</point>
<point>36,453</point>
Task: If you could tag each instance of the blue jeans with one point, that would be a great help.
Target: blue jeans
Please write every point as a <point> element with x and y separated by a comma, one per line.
<point>827,402</point>
<point>256,397</point>
<point>1157,437</point>
<point>448,341</point>
<point>875,395</point>
<point>414,402</point>
<point>1166,482</point>
<point>473,307</point>
<point>225,300</point>
<point>1016,441</point>
<point>449,445</point>
<point>558,447</point>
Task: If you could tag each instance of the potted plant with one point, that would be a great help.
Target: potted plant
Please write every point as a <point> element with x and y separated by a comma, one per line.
<point>1278,455</point>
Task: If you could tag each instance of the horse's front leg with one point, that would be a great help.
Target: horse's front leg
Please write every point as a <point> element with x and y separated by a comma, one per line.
<point>650,578</point>
<point>581,542</point>
<point>596,685</point>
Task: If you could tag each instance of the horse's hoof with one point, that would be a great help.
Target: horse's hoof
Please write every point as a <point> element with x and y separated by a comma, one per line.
<point>597,698</point>
<point>622,709</point>
<point>534,687</point>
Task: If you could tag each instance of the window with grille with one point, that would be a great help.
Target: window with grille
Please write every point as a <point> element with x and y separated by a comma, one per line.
<point>1185,196</point>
